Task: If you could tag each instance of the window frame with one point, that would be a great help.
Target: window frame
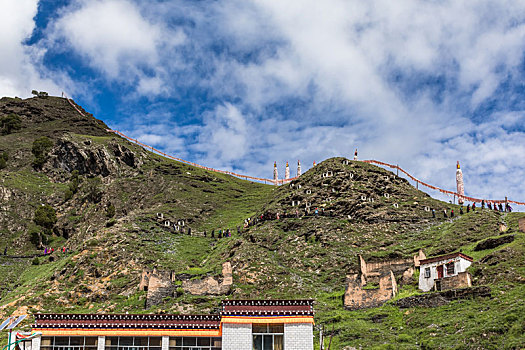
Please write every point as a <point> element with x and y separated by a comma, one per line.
<point>451,266</point>
<point>427,272</point>
<point>68,346</point>
<point>268,333</point>
<point>211,340</point>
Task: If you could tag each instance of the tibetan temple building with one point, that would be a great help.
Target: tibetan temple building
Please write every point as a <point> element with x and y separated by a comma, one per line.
<point>241,325</point>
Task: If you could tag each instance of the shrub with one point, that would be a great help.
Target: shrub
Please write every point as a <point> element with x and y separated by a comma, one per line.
<point>110,211</point>
<point>40,150</point>
<point>45,216</point>
<point>74,181</point>
<point>93,190</point>
<point>68,195</point>
<point>3,160</point>
<point>10,123</point>
<point>35,261</point>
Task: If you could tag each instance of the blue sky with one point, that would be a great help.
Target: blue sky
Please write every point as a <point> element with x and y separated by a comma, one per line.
<point>239,84</point>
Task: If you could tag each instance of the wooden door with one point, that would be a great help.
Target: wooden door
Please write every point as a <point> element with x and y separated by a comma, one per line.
<point>440,271</point>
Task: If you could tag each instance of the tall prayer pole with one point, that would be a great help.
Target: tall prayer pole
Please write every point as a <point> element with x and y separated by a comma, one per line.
<point>275,174</point>
<point>298,168</point>
<point>460,185</point>
<point>355,154</point>
<point>287,171</point>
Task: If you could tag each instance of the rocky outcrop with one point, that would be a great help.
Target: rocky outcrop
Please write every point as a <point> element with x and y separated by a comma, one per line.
<point>491,243</point>
<point>89,159</point>
<point>442,298</point>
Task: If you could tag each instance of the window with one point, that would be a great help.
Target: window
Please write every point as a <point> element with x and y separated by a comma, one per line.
<point>427,272</point>
<point>69,343</point>
<point>268,336</point>
<point>133,343</point>
<point>195,343</point>
<point>450,268</point>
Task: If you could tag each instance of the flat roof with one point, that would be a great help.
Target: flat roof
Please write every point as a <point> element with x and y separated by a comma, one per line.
<point>445,257</point>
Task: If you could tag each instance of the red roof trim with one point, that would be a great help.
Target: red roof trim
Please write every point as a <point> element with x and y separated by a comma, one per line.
<point>446,257</point>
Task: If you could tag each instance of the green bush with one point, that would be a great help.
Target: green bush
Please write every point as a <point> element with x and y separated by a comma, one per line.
<point>10,123</point>
<point>93,189</point>
<point>110,211</point>
<point>74,181</point>
<point>45,216</point>
<point>35,261</point>
<point>40,150</point>
<point>68,195</point>
<point>3,159</point>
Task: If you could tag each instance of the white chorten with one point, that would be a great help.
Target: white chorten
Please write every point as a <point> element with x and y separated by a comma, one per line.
<point>460,184</point>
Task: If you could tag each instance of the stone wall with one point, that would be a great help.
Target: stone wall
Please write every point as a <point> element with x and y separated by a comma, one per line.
<point>404,267</point>
<point>160,284</point>
<point>442,298</point>
<point>357,297</point>
<point>461,280</point>
<point>237,336</point>
<point>521,224</point>
<point>210,285</point>
<point>298,336</point>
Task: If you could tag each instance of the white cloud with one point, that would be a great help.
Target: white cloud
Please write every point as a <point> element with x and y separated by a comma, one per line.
<point>225,136</point>
<point>118,40</point>
<point>19,72</point>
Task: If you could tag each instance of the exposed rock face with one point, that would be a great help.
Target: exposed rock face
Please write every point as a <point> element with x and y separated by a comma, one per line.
<point>442,298</point>
<point>494,242</point>
<point>89,159</point>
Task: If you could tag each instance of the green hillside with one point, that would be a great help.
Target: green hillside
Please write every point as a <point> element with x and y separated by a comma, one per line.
<point>97,194</point>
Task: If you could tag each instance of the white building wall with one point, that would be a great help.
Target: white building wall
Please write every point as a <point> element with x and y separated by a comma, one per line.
<point>237,336</point>
<point>298,336</point>
<point>427,284</point>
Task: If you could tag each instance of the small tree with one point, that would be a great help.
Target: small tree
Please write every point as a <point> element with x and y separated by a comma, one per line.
<point>93,189</point>
<point>3,160</point>
<point>74,181</point>
<point>10,123</point>
<point>40,150</point>
<point>110,211</point>
<point>45,216</point>
<point>73,185</point>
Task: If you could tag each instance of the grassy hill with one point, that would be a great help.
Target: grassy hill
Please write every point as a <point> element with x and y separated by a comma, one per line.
<point>106,193</point>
